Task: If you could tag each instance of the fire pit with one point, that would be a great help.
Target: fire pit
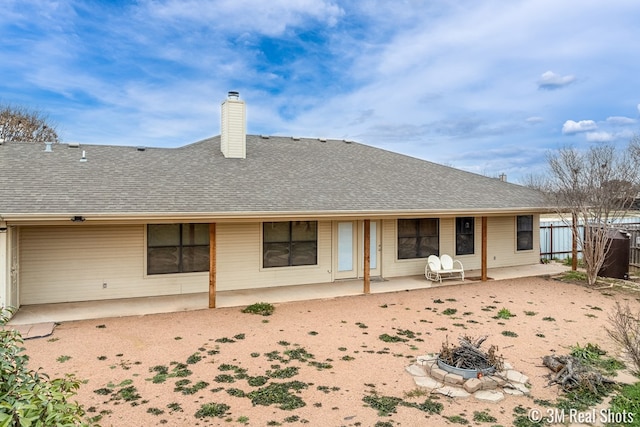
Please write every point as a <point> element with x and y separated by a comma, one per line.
<point>468,360</point>
<point>466,373</point>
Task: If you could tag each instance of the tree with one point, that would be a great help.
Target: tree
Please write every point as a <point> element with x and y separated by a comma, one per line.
<point>595,188</point>
<point>22,124</point>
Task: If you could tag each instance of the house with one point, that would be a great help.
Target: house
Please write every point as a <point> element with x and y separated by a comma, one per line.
<point>236,211</point>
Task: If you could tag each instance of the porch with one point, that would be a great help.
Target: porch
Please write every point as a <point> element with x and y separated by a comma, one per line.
<point>64,312</point>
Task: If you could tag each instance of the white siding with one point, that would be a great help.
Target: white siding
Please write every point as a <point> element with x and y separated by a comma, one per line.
<point>71,263</point>
<point>233,140</point>
<point>239,259</point>
<point>501,246</point>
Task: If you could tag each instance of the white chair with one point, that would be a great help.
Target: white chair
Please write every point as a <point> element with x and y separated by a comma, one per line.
<point>443,268</point>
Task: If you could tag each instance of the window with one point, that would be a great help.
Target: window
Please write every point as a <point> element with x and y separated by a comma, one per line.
<point>524,232</point>
<point>292,243</point>
<point>465,232</point>
<point>177,248</point>
<point>418,238</point>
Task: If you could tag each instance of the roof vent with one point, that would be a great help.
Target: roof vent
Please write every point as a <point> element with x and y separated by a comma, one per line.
<point>233,94</point>
<point>264,136</point>
<point>73,144</point>
<point>1,141</point>
<point>47,147</point>
<point>141,148</point>
<point>84,157</point>
<point>295,138</point>
<point>346,141</point>
<point>322,139</point>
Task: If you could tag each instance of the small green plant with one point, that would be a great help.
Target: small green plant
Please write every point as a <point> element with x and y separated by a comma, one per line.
<point>450,311</point>
<point>392,338</point>
<point>504,313</point>
<point>548,319</point>
<point>509,334</point>
<point>627,401</point>
<point>194,358</point>
<point>155,411</point>
<point>212,410</point>
<point>530,313</point>
<point>483,417</point>
<point>457,419</point>
<point>261,308</point>
<point>63,359</point>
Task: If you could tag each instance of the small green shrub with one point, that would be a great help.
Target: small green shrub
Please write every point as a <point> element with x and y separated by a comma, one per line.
<point>509,334</point>
<point>28,396</point>
<point>261,308</point>
<point>450,311</point>
<point>212,410</point>
<point>504,313</point>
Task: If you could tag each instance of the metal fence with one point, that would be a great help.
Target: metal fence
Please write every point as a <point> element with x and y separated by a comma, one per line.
<point>555,239</point>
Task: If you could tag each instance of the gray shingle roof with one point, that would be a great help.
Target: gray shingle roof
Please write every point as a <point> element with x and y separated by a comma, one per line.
<point>279,175</point>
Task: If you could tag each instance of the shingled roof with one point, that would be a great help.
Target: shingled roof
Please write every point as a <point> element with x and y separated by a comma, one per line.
<point>279,176</point>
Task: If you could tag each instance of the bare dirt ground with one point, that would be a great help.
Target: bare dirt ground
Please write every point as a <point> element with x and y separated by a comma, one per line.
<point>332,349</point>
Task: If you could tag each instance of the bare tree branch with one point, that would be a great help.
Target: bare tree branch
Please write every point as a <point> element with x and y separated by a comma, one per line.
<point>22,124</point>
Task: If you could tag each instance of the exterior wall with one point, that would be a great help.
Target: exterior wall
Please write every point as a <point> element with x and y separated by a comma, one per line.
<point>501,246</point>
<point>239,256</point>
<point>71,263</point>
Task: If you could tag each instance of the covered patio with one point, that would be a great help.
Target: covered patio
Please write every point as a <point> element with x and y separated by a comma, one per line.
<point>64,312</point>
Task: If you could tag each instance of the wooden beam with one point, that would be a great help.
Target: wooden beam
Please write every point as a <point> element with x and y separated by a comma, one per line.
<point>367,256</point>
<point>212,265</point>
<point>483,261</point>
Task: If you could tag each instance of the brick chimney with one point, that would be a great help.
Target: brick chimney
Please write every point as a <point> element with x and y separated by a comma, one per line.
<point>233,129</point>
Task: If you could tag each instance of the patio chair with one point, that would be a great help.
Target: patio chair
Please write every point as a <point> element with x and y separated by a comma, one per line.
<point>443,268</point>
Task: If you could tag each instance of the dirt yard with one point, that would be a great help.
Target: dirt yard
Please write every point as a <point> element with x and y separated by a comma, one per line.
<point>319,359</point>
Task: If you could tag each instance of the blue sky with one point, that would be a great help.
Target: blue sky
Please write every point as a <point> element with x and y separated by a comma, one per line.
<point>485,86</point>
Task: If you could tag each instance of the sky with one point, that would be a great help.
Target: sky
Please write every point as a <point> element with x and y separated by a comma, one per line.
<point>491,87</point>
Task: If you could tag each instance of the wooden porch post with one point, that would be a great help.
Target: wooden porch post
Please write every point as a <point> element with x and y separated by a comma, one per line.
<point>484,250</point>
<point>212,265</point>
<point>367,256</point>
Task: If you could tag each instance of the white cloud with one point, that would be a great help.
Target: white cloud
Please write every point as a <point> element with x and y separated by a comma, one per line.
<point>550,80</point>
<point>600,137</point>
<point>620,120</point>
<point>638,108</point>
<point>571,126</point>
<point>534,120</point>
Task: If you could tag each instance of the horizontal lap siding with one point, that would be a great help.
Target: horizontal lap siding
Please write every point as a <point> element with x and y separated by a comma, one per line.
<point>239,259</point>
<point>70,263</point>
<point>501,245</point>
<point>394,267</point>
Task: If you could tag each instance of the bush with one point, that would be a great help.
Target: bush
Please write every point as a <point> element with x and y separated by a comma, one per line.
<point>625,331</point>
<point>30,398</point>
<point>262,308</point>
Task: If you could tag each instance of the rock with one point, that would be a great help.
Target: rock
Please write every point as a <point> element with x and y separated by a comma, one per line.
<point>512,391</point>
<point>515,376</point>
<point>427,382</point>
<point>438,373</point>
<point>452,392</point>
<point>472,385</point>
<point>415,370</point>
<point>489,396</point>
<point>454,379</point>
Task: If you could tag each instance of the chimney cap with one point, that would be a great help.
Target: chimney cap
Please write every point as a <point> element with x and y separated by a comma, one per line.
<point>234,94</point>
